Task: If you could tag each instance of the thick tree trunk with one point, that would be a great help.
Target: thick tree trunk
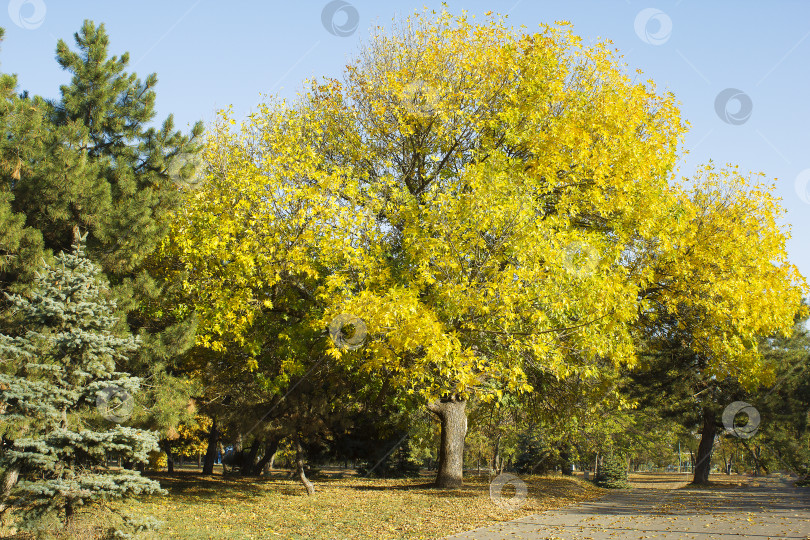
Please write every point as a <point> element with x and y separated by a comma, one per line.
<point>453,417</point>
<point>211,452</point>
<point>704,455</point>
<point>269,453</point>
<point>299,465</point>
<point>566,465</point>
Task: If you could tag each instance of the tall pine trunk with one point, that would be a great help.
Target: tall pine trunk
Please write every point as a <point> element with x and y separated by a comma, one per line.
<point>704,455</point>
<point>211,452</point>
<point>453,417</point>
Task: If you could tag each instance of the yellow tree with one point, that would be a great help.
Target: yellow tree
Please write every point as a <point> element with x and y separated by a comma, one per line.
<point>469,191</point>
<point>721,281</point>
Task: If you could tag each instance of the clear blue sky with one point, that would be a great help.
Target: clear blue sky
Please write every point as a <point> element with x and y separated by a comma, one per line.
<point>210,54</point>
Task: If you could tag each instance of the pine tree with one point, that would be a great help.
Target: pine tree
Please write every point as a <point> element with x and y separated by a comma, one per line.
<point>56,381</point>
<point>612,473</point>
<point>785,406</point>
<point>106,148</point>
<point>20,245</point>
<point>94,158</point>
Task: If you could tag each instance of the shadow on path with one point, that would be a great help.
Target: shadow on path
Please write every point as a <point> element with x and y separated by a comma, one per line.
<point>766,508</point>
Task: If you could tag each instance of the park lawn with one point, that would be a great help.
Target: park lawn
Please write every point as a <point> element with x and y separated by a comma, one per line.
<point>342,508</point>
<point>356,508</point>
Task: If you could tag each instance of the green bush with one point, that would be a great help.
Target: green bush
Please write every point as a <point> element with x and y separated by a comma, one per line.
<point>612,473</point>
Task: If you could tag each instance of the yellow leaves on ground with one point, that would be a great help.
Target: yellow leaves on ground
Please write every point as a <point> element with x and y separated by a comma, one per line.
<point>351,507</point>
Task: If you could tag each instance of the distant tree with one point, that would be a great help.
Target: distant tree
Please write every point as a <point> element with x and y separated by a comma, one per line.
<point>719,282</point>
<point>52,378</point>
<point>612,472</point>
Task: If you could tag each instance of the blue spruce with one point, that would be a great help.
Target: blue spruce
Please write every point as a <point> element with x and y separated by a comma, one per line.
<point>62,398</point>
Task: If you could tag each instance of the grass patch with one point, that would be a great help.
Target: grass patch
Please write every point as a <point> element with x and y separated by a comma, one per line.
<point>351,508</point>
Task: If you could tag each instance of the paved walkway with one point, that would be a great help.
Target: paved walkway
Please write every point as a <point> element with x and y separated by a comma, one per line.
<point>767,508</point>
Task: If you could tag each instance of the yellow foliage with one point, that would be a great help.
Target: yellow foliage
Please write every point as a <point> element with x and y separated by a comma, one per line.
<point>157,461</point>
<point>484,200</point>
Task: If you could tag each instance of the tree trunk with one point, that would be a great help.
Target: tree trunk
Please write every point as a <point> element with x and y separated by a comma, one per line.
<point>496,455</point>
<point>247,467</point>
<point>704,454</point>
<point>299,464</point>
<point>221,449</point>
<point>7,483</point>
<point>566,465</point>
<point>269,453</point>
<point>211,452</point>
<point>167,447</point>
<point>68,512</point>
<point>453,417</point>
<point>756,456</point>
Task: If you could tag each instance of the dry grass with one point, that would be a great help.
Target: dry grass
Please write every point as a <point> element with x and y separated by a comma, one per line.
<point>350,508</point>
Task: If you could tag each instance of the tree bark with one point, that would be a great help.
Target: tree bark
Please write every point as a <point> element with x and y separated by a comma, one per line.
<point>167,447</point>
<point>269,453</point>
<point>248,465</point>
<point>566,465</point>
<point>704,454</point>
<point>211,452</point>
<point>453,417</point>
<point>496,455</point>
<point>68,512</point>
<point>7,483</point>
<point>221,449</point>
<point>299,464</point>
